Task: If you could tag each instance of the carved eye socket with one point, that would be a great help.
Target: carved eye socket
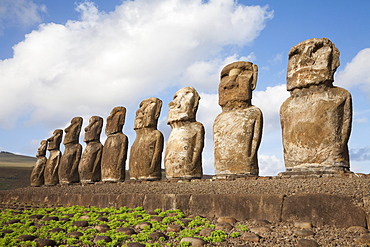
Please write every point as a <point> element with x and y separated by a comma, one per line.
<point>317,46</point>
<point>294,52</point>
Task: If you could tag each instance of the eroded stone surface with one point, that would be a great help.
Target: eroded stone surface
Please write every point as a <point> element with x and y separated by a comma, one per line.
<point>89,168</point>
<point>68,169</point>
<point>115,147</point>
<point>183,158</point>
<point>316,119</point>
<point>237,131</point>
<point>146,151</point>
<point>37,175</point>
<point>52,163</point>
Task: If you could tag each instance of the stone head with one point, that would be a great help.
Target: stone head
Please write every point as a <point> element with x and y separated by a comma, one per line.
<point>55,140</point>
<point>93,129</point>
<point>184,105</point>
<point>238,80</point>
<point>148,113</point>
<point>73,131</point>
<point>312,62</point>
<point>41,151</point>
<point>115,120</point>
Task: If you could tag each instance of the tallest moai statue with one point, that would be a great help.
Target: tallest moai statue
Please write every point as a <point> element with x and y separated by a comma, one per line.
<point>316,118</point>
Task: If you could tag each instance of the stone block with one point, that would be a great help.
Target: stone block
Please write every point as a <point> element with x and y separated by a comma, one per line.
<point>242,207</point>
<point>323,209</point>
<point>130,200</point>
<point>202,204</point>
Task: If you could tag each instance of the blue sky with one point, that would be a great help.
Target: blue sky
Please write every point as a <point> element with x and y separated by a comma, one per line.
<point>63,58</point>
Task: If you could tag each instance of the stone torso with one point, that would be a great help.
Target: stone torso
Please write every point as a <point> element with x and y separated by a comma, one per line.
<point>146,155</point>
<point>68,169</point>
<point>89,168</point>
<point>37,175</point>
<point>183,151</point>
<point>316,127</point>
<point>237,134</point>
<point>114,158</point>
<point>51,168</point>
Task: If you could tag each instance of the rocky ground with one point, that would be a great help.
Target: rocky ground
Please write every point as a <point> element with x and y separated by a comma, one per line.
<point>260,232</point>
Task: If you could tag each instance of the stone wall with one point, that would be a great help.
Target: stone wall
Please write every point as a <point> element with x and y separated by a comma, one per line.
<point>319,209</point>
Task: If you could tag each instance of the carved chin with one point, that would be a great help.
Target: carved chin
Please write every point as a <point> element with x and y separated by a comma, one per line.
<point>305,78</point>
<point>177,117</point>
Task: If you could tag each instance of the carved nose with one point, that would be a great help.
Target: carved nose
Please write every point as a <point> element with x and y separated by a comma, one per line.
<point>174,104</point>
<point>231,83</point>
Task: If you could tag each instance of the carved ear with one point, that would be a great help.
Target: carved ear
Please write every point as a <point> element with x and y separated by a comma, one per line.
<point>122,117</point>
<point>196,103</point>
<point>158,109</point>
<point>99,122</point>
<point>255,75</point>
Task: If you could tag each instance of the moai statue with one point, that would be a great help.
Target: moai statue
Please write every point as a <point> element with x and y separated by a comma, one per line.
<point>37,175</point>
<point>68,169</point>
<point>237,131</point>
<point>316,119</point>
<point>52,164</point>
<point>183,158</point>
<point>89,168</point>
<point>146,152</point>
<point>115,147</point>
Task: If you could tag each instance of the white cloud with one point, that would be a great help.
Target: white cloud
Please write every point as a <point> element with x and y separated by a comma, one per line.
<point>362,120</point>
<point>360,154</point>
<point>88,66</point>
<point>205,75</point>
<point>269,101</point>
<point>356,72</point>
<point>19,13</point>
<point>270,165</point>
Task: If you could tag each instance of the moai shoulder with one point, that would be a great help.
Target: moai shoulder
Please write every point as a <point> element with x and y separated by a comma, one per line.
<point>113,165</point>
<point>183,158</point>
<point>68,169</point>
<point>316,119</point>
<point>89,168</point>
<point>237,131</point>
<point>52,165</point>
<point>146,151</point>
<point>37,175</point>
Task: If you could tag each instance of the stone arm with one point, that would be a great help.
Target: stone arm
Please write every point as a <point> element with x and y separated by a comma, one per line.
<point>347,120</point>
<point>257,133</point>
<point>76,162</point>
<point>97,161</point>
<point>283,110</point>
<point>123,152</point>
<point>158,149</point>
<point>56,167</point>
<point>199,143</point>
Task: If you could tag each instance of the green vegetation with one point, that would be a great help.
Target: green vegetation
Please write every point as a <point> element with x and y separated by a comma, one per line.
<point>59,229</point>
<point>242,228</point>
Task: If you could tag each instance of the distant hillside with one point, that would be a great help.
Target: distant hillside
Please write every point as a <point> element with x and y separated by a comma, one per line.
<point>15,160</point>
<point>15,170</point>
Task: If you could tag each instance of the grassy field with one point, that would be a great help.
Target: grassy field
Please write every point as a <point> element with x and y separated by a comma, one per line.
<point>14,160</point>
<point>15,170</point>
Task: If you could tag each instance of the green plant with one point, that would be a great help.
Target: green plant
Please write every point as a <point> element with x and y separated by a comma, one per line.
<point>242,228</point>
<point>185,244</point>
<point>235,234</point>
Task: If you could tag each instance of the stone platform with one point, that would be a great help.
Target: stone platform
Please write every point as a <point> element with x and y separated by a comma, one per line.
<point>335,201</point>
